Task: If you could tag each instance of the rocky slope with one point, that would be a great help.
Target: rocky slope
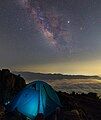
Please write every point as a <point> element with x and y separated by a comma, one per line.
<point>80,106</point>
<point>10,85</point>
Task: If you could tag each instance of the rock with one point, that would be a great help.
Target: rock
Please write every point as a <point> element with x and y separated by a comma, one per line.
<point>2,112</point>
<point>10,85</point>
<point>80,106</point>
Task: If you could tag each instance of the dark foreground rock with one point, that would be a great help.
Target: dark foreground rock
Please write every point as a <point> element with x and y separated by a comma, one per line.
<point>74,106</point>
<point>80,106</point>
<point>10,85</point>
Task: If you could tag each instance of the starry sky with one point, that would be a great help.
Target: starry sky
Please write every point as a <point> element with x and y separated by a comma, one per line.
<point>57,36</point>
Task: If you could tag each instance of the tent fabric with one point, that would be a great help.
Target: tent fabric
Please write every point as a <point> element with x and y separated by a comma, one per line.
<point>36,97</point>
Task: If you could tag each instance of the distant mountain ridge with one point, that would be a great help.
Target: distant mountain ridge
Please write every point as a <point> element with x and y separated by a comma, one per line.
<point>50,76</point>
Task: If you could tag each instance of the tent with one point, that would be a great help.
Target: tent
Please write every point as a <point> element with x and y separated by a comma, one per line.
<point>36,97</point>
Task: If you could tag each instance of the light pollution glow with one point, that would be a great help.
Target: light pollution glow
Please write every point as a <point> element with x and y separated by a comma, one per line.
<point>87,68</point>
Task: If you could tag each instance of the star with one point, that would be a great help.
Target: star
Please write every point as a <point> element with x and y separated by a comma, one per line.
<point>20,28</point>
<point>68,21</point>
<point>81,28</point>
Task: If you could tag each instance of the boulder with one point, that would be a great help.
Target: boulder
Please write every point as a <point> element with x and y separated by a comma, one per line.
<point>10,84</point>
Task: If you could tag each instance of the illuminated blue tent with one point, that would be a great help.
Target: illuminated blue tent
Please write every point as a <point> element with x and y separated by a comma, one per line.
<point>36,97</point>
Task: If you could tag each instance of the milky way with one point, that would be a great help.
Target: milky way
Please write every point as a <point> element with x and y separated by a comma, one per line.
<point>52,24</point>
<point>45,32</point>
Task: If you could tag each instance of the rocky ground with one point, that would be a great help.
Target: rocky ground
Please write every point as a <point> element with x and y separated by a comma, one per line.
<point>74,106</point>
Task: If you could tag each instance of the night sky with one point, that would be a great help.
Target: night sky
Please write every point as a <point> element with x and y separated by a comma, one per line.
<point>62,36</point>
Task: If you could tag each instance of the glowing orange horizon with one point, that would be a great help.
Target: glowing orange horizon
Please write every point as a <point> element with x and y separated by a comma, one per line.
<point>88,68</point>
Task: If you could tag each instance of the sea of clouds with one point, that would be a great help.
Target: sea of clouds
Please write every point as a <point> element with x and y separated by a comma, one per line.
<point>76,85</point>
